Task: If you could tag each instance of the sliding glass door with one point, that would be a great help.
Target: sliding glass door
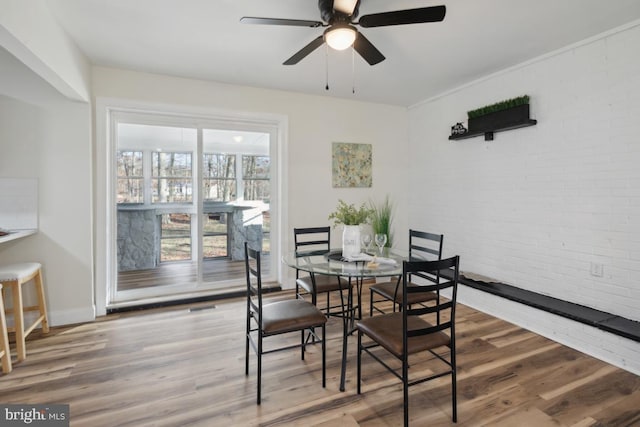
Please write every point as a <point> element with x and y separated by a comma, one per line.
<point>188,194</point>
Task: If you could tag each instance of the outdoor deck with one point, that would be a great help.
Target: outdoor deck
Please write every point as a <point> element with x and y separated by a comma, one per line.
<point>171,273</point>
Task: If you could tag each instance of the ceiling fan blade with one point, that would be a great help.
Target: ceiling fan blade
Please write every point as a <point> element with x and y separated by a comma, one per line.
<point>278,21</point>
<point>345,6</point>
<point>302,53</point>
<point>401,17</point>
<point>367,50</point>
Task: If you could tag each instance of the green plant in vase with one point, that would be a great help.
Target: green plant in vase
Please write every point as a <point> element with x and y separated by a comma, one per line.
<point>348,214</point>
<point>382,218</point>
<point>351,218</point>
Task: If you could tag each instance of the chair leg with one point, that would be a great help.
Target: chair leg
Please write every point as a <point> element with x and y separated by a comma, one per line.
<point>324,356</point>
<point>405,389</point>
<point>302,342</point>
<point>42,306</point>
<point>328,301</point>
<point>246,348</point>
<point>4,340</point>
<point>314,301</point>
<point>359,360</point>
<point>18,318</point>
<point>359,286</point>
<point>259,364</point>
<point>454,397</point>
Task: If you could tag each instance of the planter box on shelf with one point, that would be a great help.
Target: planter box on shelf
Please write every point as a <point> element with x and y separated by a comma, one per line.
<point>507,119</point>
<point>510,117</point>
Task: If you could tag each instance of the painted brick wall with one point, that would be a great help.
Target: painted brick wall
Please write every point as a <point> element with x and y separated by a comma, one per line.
<point>541,207</point>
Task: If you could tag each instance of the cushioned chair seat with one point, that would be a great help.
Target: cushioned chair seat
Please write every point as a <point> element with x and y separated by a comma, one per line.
<point>291,315</point>
<point>323,283</point>
<point>387,331</point>
<point>18,271</point>
<point>388,289</point>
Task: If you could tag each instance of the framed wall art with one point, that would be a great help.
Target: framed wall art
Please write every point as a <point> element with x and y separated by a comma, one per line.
<point>352,164</point>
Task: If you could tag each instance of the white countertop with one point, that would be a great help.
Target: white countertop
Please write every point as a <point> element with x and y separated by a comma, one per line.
<point>17,234</point>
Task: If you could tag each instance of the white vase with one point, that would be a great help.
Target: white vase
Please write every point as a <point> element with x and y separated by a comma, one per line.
<point>350,240</point>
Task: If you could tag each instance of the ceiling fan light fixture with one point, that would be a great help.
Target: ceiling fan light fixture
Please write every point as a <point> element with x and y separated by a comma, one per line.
<point>340,37</point>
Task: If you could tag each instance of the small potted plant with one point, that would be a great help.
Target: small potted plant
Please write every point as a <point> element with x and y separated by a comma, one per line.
<point>350,217</point>
<point>381,219</point>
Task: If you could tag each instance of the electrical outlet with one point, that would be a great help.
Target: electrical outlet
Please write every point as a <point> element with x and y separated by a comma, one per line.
<point>597,270</point>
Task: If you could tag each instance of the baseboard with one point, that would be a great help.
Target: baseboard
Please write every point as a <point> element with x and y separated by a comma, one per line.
<point>71,317</point>
<point>608,347</point>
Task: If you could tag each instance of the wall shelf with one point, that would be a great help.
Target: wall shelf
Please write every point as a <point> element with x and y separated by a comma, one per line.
<point>488,135</point>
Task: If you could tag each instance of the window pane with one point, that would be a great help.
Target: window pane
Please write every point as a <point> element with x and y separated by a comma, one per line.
<point>255,171</point>
<point>219,174</point>
<point>256,167</point>
<point>214,242</point>
<point>131,190</point>
<point>130,179</point>
<point>175,237</point>
<point>255,189</point>
<point>129,163</point>
<point>171,174</point>
<point>171,190</point>
<point>219,190</point>
<point>219,166</point>
<point>171,164</point>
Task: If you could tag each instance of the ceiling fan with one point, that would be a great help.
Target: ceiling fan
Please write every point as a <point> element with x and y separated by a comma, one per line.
<point>339,18</point>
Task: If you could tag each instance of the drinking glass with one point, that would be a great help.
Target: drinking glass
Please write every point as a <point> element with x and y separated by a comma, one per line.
<point>381,240</point>
<point>366,241</point>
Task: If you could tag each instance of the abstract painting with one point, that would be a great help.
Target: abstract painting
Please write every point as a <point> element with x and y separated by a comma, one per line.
<point>351,165</point>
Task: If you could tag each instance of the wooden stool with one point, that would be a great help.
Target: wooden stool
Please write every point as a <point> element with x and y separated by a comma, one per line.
<point>5,350</point>
<point>13,276</point>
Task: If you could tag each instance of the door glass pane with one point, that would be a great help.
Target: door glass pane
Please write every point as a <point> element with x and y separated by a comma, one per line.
<point>155,208</point>
<point>236,191</point>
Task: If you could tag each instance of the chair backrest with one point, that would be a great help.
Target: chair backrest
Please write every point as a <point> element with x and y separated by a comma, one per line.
<point>254,281</point>
<point>446,272</point>
<point>312,239</point>
<point>425,246</point>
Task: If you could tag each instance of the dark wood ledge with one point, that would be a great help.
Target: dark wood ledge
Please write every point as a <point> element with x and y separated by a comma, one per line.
<point>602,320</point>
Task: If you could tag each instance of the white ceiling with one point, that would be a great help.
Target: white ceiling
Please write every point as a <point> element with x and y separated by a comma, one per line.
<point>204,39</point>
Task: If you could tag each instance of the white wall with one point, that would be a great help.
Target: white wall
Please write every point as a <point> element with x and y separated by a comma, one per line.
<point>48,138</point>
<point>31,34</point>
<point>314,123</point>
<point>537,206</point>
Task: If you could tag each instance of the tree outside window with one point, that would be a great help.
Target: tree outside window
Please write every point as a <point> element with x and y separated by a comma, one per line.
<point>256,174</point>
<point>171,177</point>
<point>130,177</point>
<point>219,177</point>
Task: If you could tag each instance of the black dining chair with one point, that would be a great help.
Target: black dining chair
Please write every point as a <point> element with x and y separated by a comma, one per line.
<point>276,318</point>
<point>318,240</point>
<point>423,246</point>
<point>414,330</point>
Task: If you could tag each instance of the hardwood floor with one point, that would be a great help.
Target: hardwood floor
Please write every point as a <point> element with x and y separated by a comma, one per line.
<point>184,365</point>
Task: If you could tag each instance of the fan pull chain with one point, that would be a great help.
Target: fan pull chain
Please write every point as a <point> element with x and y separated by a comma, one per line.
<point>326,51</point>
<point>353,70</point>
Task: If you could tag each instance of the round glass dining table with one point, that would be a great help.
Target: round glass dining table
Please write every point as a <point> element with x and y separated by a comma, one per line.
<point>385,264</point>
